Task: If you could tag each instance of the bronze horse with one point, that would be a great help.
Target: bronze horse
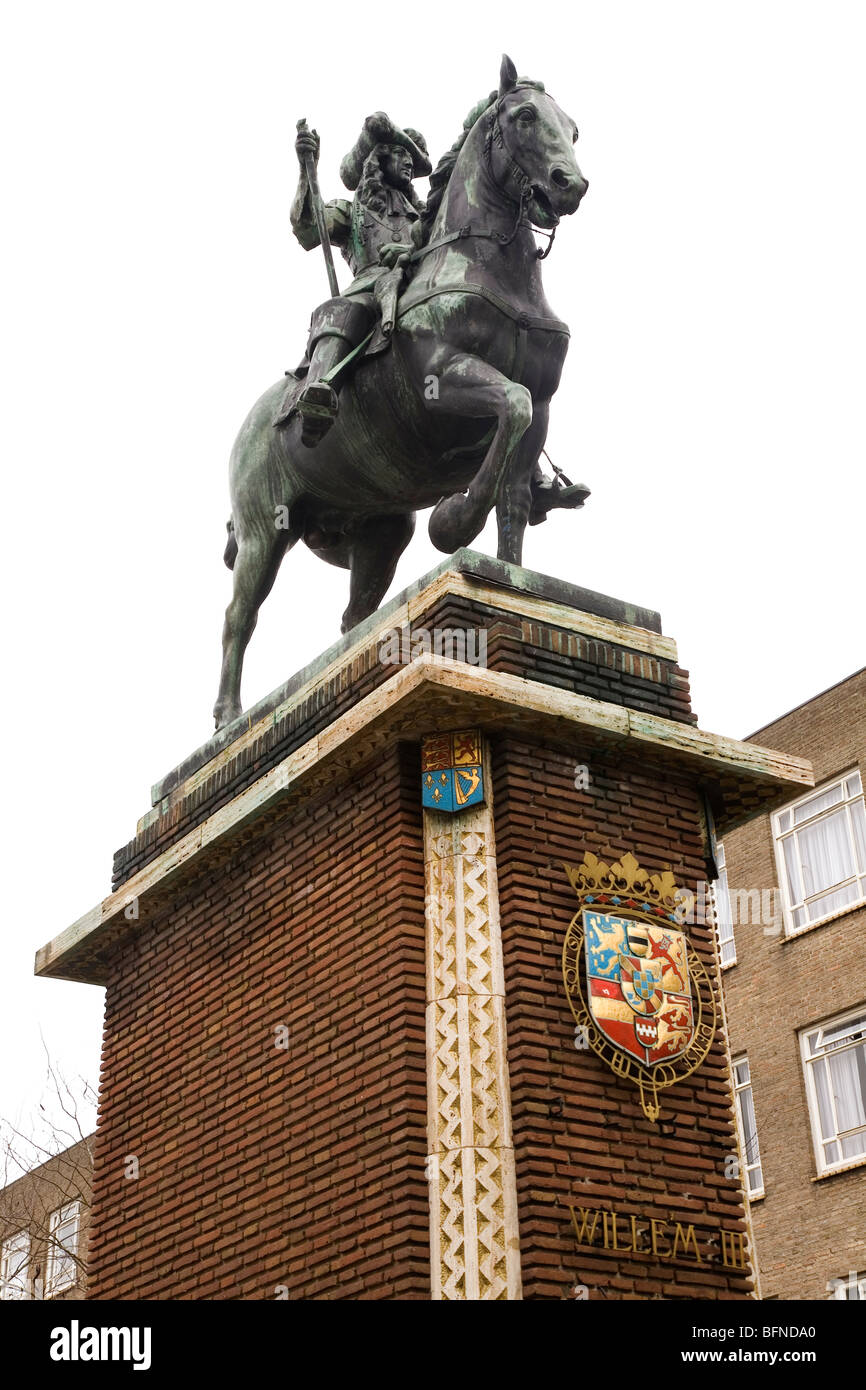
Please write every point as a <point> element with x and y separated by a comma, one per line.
<point>453,415</point>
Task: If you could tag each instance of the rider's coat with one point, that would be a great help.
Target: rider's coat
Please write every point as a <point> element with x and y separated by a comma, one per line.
<point>360,233</point>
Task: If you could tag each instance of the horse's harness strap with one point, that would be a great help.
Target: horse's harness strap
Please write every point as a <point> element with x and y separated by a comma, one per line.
<point>501,238</point>
<point>520,317</point>
<point>459,235</point>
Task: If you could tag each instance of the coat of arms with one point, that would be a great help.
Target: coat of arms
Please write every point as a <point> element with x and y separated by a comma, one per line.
<point>637,989</point>
<point>452,775</point>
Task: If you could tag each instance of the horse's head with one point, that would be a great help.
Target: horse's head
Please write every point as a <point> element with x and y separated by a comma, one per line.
<point>534,138</point>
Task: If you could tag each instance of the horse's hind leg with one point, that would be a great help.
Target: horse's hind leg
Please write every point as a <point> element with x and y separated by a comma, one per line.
<point>255,569</point>
<point>374,549</point>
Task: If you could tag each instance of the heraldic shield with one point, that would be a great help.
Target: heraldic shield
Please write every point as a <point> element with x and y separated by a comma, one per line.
<point>638,993</point>
<point>452,776</point>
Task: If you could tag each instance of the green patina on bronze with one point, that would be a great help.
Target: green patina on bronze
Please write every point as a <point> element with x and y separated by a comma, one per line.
<point>427,383</point>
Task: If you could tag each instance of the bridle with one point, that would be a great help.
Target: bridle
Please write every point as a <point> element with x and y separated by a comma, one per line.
<point>496,136</point>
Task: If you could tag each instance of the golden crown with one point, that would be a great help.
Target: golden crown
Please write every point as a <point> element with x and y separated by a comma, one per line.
<point>625,886</point>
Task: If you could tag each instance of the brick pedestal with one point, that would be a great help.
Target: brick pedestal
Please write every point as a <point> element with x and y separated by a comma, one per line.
<point>340,1084</point>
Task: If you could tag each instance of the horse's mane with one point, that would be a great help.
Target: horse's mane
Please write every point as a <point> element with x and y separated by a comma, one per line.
<point>445,168</point>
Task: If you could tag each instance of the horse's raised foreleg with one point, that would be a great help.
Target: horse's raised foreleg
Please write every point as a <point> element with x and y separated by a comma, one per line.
<point>255,569</point>
<point>374,549</point>
<point>515,494</point>
<point>470,386</point>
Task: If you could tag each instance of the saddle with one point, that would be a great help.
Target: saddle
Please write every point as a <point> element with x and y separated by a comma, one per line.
<point>385,292</point>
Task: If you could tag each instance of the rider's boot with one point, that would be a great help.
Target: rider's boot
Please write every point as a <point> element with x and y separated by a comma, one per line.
<point>549,493</point>
<point>317,403</point>
<point>338,325</point>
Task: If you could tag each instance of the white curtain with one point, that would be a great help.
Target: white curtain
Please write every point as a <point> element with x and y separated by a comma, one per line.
<point>818,803</point>
<point>848,1072</point>
<point>828,1124</point>
<point>750,1129</point>
<point>825,853</point>
<point>858,815</point>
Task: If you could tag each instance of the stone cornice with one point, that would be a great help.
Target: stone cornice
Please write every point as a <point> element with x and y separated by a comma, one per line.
<point>509,588</point>
<point>430,694</point>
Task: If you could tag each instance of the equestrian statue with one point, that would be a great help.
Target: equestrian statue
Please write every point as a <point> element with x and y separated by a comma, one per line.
<point>427,382</point>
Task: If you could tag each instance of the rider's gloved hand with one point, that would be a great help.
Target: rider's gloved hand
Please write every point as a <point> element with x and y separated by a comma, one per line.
<point>306,143</point>
<point>393,252</point>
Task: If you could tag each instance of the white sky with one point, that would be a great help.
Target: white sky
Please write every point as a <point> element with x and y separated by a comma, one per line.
<point>713,279</point>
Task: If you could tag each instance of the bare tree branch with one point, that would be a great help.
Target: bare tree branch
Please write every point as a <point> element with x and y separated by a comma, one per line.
<point>47,1167</point>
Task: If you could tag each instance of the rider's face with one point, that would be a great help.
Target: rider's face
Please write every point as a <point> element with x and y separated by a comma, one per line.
<point>397,167</point>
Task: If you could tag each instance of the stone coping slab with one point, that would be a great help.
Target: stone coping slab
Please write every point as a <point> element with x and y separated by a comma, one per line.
<point>430,694</point>
<point>534,594</point>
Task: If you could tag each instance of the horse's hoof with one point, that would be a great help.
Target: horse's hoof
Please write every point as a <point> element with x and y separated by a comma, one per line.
<point>225,714</point>
<point>453,523</point>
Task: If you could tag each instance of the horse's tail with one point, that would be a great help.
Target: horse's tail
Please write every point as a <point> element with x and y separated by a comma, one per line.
<point>231,551</point>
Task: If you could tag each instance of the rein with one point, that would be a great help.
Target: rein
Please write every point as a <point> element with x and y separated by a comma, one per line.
<point>523,181</point>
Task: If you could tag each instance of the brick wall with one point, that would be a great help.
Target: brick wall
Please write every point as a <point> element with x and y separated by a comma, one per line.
<point>261,1167</point>
<point>807,1232</point>
<point>303,1168</point>
<point>601,1151</point>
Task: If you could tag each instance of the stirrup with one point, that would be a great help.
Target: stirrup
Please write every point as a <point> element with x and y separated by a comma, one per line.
<point>550,494</point>
<point>317,406</point>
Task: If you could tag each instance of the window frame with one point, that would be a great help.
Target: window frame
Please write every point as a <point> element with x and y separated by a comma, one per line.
<point>60,1275</point>
<point>779,836</point>
<point>809,1065</point>
<point>6,1295</point>
<point>840,1287</point>
<point>722,866</point>
<point>742,1058</point>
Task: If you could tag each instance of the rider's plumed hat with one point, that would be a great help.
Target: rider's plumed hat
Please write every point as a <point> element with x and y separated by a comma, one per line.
<point>379,129</point>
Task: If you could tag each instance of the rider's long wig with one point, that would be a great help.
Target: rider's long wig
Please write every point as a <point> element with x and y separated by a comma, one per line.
<point>372,189</point>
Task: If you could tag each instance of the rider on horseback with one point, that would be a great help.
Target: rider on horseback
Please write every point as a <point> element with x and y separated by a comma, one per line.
<point>474,320</point>
<point>377,233</point>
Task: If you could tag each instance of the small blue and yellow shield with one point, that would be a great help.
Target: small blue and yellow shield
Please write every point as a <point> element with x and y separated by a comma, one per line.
<point>452,776</point>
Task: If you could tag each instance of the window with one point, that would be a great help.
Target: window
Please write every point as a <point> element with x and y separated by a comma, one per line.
<point>13,1266</point>
<point>754,1177</point>
<point>821,852</point>
<point>854,1287</point>
<point>721,900</point>
<point>834,1059</point>
<point>62,1270</point>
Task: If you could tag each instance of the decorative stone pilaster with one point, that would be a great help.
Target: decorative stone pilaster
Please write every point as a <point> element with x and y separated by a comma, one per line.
<point>473,1202</point>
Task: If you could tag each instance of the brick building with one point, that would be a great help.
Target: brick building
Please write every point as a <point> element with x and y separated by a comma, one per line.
<point>337,1041</point>
<point>792,950</point>
<point>45,1228</point>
